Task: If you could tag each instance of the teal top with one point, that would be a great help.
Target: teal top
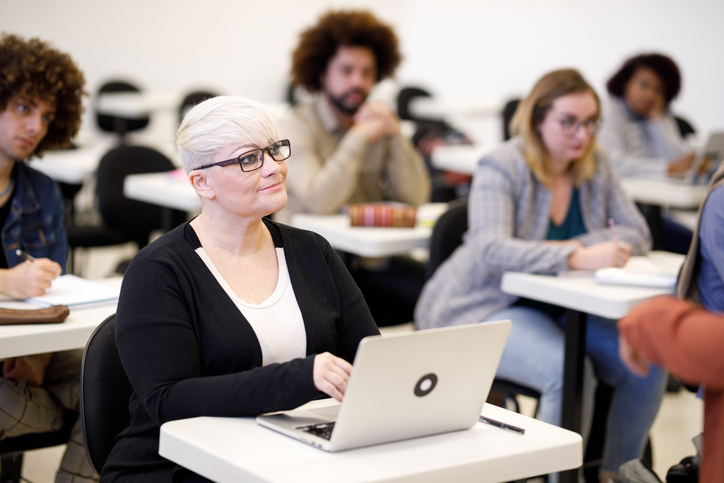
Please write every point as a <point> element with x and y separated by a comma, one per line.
<point>572,226</point>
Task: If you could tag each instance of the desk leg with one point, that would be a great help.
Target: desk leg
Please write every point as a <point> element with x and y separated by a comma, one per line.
<point>573,378</point>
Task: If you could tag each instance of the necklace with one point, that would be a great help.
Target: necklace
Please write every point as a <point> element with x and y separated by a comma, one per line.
<point>10,186</point>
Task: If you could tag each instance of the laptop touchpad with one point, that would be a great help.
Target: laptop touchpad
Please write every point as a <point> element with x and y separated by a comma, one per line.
<point>329,412</point>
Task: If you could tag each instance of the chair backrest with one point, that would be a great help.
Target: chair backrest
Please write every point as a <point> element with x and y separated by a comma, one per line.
<point>508,112</point>
<point>124,214</point>
<point>191,99</point>
<point>104,394</point>
<point>684,126</point>
<point>447,234</point>
<point>119,124</point>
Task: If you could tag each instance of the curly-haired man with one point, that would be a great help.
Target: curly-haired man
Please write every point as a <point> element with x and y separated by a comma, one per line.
<point>345,149</point>
<point>40,110</point>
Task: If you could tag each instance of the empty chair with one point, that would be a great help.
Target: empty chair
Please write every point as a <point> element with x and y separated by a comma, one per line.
<point>117,124</point>
<point>124,220</point>
<point>191,99</point>
<point>508,112</point>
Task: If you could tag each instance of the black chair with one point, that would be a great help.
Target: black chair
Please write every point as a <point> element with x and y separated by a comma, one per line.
<point>12,449</point>
<point>191,99</point>
<point>508,112</point>
<point>119,124</point>
<point>104,394</point>
<point>446,236</point>
<point>125,220</point>
<point>685,127</point>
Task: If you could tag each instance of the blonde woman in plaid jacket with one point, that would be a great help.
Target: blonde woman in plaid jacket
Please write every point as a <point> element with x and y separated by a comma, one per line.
<point>540,203</point>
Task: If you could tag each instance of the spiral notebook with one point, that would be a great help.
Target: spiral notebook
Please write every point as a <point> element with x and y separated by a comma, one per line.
<point>76,292</point>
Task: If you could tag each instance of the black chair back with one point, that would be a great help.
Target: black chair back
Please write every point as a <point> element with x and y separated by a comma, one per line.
<point>104,394</point>
<point>123,214</point>
<point>119,124</point>
<point>508,112</point>
<point>447,234</point>
<point>193,98</point>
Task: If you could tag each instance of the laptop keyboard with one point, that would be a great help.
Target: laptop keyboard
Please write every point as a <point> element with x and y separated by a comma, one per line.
<point>323,430</point>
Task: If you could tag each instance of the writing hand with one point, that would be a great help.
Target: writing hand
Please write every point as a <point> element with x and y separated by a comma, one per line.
<point>29,279</point>
<point>601,255</point>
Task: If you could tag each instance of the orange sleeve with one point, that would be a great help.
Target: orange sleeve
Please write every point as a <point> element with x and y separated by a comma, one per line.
<point>683,338</point>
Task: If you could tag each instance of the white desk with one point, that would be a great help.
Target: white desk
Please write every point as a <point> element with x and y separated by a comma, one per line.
<point>21,340</point>
<point>371,241</point>
<point>439,108</point>
<point>237,449</point>
<point>136,104</point>
<point>460,159</point>
<point>171,190</point>
<point>72,166</point>
<point>579,291</point>
<point>581,296</point>
<point>664,192</point>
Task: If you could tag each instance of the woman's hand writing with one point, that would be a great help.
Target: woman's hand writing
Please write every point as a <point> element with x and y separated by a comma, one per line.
<point>331,375</point>
<point>29,279</point>
<point>601,255</point>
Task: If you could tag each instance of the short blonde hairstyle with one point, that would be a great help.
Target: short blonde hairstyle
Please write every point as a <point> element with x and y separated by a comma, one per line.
<point>532,111</point>
<point>220,121</point>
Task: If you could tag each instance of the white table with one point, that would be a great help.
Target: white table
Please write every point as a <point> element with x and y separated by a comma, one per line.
<point>371,241</point>
<point>237,449</point>
<point>72,166</point>
<point>170,189</point>
<point>580,296</point>
<point>444,107</point>
<point>458,158</point>
<point>21,340</point>
<point>136,104</point>
<point>664,192</point>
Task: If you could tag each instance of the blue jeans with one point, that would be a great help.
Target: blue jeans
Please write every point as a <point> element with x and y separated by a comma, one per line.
<point>534,357</point>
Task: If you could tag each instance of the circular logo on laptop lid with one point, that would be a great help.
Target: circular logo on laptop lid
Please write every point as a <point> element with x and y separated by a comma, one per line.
<point>425,385</point>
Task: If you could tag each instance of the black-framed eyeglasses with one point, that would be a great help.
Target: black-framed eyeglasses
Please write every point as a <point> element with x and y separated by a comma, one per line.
<point>570,125</point>
<point>254,159</point>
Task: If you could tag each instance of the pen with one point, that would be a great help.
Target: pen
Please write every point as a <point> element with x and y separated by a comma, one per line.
<point>24,255</point>
<point>501,425</point>
<point>613,230</point>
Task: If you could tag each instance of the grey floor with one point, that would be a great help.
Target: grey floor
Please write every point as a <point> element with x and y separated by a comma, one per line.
<point>679,419</point>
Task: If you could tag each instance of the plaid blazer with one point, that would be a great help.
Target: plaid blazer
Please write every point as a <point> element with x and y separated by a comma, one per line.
<point>508,217</point>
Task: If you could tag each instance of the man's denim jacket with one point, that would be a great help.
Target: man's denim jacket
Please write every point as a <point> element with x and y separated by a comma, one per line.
<point>35,222</point>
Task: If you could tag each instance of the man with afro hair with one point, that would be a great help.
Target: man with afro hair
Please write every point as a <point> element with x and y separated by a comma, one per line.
<point>40,110</point>
<point>344,148</point>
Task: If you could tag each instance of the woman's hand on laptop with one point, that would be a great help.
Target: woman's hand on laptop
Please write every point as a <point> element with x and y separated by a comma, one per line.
<point>331,374</point>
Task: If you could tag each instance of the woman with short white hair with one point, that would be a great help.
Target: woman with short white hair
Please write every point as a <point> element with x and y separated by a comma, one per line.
<point>231,314</point>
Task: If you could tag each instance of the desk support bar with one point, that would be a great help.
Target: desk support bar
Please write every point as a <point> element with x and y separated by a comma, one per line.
<point>573,378</point>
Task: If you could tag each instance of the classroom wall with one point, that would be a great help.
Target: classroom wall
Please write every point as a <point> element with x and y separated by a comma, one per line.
<point>461,48</point>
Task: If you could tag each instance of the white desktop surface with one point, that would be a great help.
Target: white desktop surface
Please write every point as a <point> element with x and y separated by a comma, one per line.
<point>580,292</point>
<point>163,189</point>
<point>136,104</point>
<point>73,333</point>
<point>70,166</point>
<point>439,108</point>
<point>238,449</point>
<point>664,192</point>
<point>371,241</point>
<point>458,158</point>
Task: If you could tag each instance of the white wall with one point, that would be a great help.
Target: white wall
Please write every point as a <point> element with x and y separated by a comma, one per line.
<point>489,48</point>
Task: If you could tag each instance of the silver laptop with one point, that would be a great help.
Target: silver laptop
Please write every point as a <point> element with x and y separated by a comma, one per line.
<point>404,386</point>
<point>707,160</point>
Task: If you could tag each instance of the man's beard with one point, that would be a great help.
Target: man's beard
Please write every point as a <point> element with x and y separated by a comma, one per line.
<point>339,101</point>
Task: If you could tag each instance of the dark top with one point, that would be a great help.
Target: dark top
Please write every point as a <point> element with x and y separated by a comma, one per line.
<point>188,351</point>
<point>571,227</point>
<point>35,220</point>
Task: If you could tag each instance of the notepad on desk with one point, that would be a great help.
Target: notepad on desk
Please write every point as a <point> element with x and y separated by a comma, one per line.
<point>75,292</point>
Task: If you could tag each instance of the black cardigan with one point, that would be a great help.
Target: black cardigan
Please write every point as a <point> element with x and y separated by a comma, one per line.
<point>188,351</point>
